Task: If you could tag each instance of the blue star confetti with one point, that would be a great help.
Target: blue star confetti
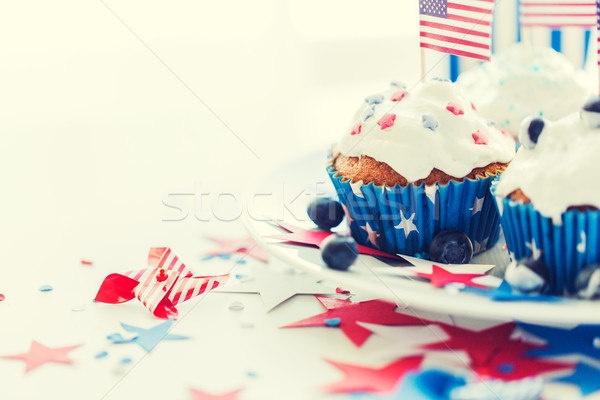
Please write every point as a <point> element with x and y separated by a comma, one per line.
<point>585,377</point>
<point>147,339</point>
<point>578,340</point>
<point>430,122</point>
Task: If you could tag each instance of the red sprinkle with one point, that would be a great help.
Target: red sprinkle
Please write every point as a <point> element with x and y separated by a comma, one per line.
<point>2,297</point>
<point>473,106</point>
<point>387,120</point>
<point>161,277</point>
<point>86,262</point>
<point>398,95</point>
<point>454,108</point>
<point>480,138</point>
<point>356,128</point>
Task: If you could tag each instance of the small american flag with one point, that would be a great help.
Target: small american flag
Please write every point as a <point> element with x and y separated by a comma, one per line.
<point>558,13</point>
<point>459,27</point>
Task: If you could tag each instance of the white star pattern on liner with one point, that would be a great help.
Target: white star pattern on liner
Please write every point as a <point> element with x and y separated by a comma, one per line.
<point>430,192</point>
<point>581,244</point>
<point>536,253</point>
<point>348,217</point>
<point>479,246</point>
<point>372,234</point>
<point>407,224</point>
<point>356,189</point>
<point>477,205</point>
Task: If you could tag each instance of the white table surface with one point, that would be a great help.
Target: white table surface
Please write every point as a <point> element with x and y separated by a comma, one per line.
<point>102,118</point>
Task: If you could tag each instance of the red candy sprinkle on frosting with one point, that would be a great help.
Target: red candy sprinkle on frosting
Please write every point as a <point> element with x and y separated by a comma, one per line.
<point>398,95</point>
<point>454,108</point>
<point>387,120</point>
<point>356,128</point>
<point>473,106</point>
<point>480,138</point>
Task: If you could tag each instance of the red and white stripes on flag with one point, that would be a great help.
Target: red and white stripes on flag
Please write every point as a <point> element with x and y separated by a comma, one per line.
<point>459,27</point>
<point>558,13</point>
<point>179,285</point>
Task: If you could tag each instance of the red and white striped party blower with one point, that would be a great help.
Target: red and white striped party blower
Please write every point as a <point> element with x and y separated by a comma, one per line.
<point>160,287</point>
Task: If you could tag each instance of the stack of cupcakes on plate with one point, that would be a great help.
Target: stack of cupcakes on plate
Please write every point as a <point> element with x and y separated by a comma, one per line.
<point>415,163</point>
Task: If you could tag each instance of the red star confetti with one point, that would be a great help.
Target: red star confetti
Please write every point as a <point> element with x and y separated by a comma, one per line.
<point>398,95</point>
<point>246,246</point>
<point>519,368</point>
<point>201,395</point>
<point>480,138</point>
<point>356,128</point>
<point>454,108</point>
<point>440,277</point>
<point>345,315</point>
<point>479,345</point>
<point>39,355</point>
<point>316,238</point>
<point>387,120</point>
<point>373,380</point>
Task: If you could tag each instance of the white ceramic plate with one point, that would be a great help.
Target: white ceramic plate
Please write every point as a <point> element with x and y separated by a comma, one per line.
<point>282,193</point>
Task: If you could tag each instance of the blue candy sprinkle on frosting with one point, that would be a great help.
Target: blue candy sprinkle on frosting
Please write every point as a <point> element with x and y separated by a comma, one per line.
<point>46,288</point>
<point>430,122</point>
<point>491,122</point>
<point>374,99</point>
<point>332,322</point>
<point>102,354</point>
<point>126,360</point>
<point>398,84</point>
<point>368,113</point>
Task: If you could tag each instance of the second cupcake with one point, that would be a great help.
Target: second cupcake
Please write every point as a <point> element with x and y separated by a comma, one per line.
<point>415,163</point>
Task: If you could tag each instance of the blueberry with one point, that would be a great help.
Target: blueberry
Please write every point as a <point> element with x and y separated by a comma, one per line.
<point>587,284</point>
<point>339,252</point>
<point>528,276</point>
<point>326,213</point>
<point>531,128</point>
<point>590,112</point>
<point>451,247</point>
<point>430,122</point>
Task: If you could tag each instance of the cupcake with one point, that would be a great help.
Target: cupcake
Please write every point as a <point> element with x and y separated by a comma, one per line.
<point>414,163</point>
<point>548,198</point>
<point>523,81</point>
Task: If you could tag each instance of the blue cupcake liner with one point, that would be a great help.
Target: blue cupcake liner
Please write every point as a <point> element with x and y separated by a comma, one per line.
<point>405,220</point>
<point>566,248</point>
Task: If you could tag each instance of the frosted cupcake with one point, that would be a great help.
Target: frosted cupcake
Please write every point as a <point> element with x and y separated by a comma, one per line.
<point>523,81</point>
<point>415,163</point>
<point>548,198</point>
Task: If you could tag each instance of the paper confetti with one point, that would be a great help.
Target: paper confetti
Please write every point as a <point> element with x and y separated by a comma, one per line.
<point>577,340</point>
<point>585,377</point>
<point>373,380</point>
<point>147,339</point>
<point>440,277</point>
<point>349,313</point>
<point>39,355</point>
<point>201,395</point>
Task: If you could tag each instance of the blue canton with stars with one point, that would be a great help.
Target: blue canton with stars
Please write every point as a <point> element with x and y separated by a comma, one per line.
<point>434,8</point>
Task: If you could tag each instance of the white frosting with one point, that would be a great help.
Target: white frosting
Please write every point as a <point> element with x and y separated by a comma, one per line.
<point>414,150</point>
<point>524,81</point>
<point>560,171</point>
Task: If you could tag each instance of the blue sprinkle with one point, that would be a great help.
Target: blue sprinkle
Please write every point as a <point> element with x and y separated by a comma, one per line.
<point>401,85</point>
<point>507,122</point>
<point>46,288</point>
<point>541,113</point>
<point>333,322</point>
<point>506,368</point>
<point>224,256</point>
<point>251,374</point>
<point>126,360</point>
<point>440,79</point>
<point>207,258</point>
<point>368,113</point>
<point>374,99</point>
<point>240,276</point>
<point>536,68</point>
<point>102,354</point>
<point>430,122</point>
<point>240,261</point>
<point>491,122</point>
